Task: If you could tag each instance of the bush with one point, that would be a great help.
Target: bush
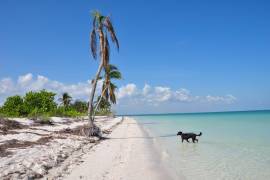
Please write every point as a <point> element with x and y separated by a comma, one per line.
<point>80,106</point>
<point>33,104</point>
<point>39,102</point>
<point>13,106</point>
<point>41,105</point>
<point>104,113</point>
<point>66,112</point>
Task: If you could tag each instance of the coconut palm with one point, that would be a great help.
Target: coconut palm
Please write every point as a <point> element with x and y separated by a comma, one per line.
<point>65,99</point>
<point>102,27</point>
<point>102,104</point>
<point>111,72</point>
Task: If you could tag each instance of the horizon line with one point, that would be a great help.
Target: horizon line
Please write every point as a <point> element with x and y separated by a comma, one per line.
<point>206,112</point>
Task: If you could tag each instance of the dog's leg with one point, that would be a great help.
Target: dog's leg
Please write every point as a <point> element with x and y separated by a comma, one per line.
<point>187,140</point>
<point>182,140</point>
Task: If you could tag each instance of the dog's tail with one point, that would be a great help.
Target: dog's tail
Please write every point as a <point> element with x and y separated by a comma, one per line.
<point>199,134</point>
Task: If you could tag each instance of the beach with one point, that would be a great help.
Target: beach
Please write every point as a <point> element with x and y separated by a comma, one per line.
<point>126,152</point>
<point>32,150</point>
<point>124,155</point>
<point>140,147</point>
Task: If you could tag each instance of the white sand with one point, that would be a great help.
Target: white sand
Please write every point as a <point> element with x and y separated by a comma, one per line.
<point>125,155</point>
<point>35,161</point>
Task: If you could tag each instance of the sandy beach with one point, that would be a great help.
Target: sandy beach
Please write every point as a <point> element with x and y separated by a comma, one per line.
<point>57,152</point>
<point>124,155</point>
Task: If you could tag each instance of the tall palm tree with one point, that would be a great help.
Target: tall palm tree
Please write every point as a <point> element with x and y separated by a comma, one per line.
<point>111,72</point>
<point>65,99</point>
<point>102,26</point>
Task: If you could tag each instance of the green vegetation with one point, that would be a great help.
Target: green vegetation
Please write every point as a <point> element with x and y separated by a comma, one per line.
<point>13,106</point>
<point>80,106</point>
<point>111,72</point>
<point>41,102</point>
<point>41,105</point>
<point>102,105</point>
<point>65,100</point>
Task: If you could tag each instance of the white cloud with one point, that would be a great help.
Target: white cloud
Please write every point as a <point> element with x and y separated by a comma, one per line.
<point>184,95</point>
<point>162,94</point>
<point>126,91</point>
<point>28,82</point>
<point>25,79</point>
<point>6,85</point>
<point>126,94</point>
<point>229,99</point>
<point>146,89</point>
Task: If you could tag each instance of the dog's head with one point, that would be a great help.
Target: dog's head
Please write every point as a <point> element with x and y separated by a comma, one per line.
<point>179,133</point>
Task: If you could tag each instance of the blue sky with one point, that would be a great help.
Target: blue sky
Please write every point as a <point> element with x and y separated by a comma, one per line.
<point>203,52</point>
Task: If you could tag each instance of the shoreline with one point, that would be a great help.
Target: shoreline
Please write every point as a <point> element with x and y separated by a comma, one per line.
<point>157,153</point>
<point>126,154</point>
<point>160,154</point>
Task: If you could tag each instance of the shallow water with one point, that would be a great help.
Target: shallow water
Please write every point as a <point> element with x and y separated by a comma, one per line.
<point>234,145</point>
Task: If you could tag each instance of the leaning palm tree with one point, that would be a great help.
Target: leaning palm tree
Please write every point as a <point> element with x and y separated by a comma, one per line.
<point>65,99</point>
<point>102,26</point>
<point>111,72</point>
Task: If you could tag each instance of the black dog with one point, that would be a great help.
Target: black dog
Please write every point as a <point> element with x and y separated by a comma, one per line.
<point>186,136</point>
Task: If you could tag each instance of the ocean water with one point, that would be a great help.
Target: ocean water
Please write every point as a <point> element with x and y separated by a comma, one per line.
<point>234,145</point>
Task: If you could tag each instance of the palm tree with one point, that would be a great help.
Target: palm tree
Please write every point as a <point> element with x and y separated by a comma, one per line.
<point>65,99</point>
<point>102,26</point>
<point>108,88</point>
<point>111,72</point>
<point>102,104</point>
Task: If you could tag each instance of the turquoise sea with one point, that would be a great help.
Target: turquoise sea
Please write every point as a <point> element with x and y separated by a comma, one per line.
<point>234,145</point>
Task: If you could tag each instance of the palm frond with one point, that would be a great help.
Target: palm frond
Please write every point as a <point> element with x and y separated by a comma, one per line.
<point>109,26</point>
<point>94,22</point>
<point>106,51</point>
<point>93,43</point>
<point>115,75</point>
<point>101,19</point>
<point>113,85</point>
<point>112,94</point>
<point>113,67</point>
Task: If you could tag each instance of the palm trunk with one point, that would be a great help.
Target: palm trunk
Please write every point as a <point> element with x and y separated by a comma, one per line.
<point>90,107</point>
<point>92,127</point>
<point>99,102</point>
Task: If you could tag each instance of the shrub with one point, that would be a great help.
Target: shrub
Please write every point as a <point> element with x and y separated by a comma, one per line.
<point>13,106</point>
<point>41,105</point>
<point>104,113</point>
<point>39,102</point>
<point>80,106</point>
<point>66,112</point>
